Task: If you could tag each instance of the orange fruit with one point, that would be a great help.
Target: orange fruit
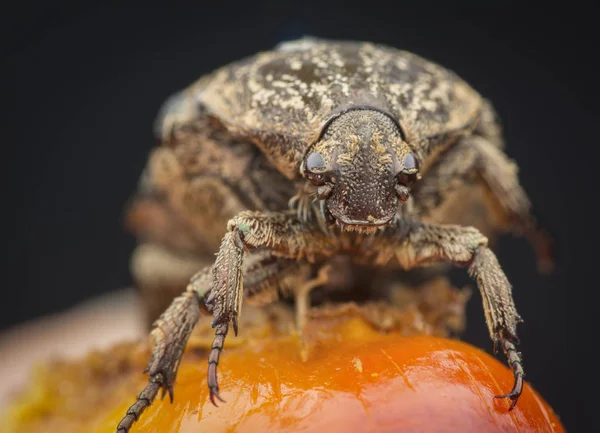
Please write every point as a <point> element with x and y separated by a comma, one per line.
<point>354,379</point>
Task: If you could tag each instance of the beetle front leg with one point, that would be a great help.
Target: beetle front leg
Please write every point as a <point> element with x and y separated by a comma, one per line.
<point>466,246</point>
<point>225,300</point>
<point>282,233</point>
<point>500,311</point>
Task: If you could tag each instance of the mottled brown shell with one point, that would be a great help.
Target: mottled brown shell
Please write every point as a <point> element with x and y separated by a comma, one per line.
<point>282,99</point>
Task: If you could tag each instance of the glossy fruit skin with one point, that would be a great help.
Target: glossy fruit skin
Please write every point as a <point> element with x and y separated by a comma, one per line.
<point>371,383</point>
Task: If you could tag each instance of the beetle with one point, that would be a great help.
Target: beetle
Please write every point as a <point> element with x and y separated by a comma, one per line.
<point>319,150</point>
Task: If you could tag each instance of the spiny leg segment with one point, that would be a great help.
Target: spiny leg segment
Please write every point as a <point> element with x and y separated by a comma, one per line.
<point>280,232</point>
<point>501,314</point>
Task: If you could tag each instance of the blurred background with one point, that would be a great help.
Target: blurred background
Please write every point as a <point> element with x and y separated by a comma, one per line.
<point>81,85</point>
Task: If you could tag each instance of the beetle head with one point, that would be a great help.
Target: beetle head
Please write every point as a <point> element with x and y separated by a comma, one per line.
<point>362,168</point>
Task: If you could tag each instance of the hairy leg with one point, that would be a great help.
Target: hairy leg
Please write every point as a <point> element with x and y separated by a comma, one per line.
<point>421,244</point>
<point>283,234</point>
<point>264,276</point>
<point>501,314</point>
<point>476,159</point>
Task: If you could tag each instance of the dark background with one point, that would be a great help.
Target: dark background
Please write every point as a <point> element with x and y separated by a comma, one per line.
<point>81,86</point>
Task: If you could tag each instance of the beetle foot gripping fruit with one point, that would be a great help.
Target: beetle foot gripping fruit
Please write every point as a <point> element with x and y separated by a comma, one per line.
<point>374,161</point>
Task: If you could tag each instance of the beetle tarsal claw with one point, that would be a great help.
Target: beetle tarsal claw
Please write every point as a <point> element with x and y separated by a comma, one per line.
<point>515,393</point>
<point>213,361</point>
<point>214,394</point>
<point>516,365</point>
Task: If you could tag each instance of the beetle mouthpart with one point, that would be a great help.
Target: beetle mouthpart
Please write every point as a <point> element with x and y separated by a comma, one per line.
<point>369,223</point>
<point>367,227</point>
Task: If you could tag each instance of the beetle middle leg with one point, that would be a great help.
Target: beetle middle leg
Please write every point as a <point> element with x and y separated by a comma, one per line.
<point>422,244</point>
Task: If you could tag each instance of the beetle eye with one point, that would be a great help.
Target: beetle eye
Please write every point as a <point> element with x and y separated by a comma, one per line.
<point>315,161</point>
<point>409,172</point>
<point>410,163</point>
